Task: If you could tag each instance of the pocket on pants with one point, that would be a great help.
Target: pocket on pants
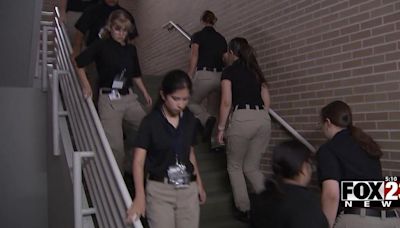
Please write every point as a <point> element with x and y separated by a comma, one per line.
<point>241,116</point>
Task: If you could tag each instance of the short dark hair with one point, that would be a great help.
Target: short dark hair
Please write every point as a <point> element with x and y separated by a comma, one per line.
<point>209,17</point>
<point>288,158</point>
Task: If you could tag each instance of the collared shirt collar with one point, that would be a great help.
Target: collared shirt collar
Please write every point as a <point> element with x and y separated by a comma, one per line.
<point>161,112</point>
<point>208,28</point>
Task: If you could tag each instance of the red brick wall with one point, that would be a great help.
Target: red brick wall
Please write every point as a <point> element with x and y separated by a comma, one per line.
<point>312,52</point>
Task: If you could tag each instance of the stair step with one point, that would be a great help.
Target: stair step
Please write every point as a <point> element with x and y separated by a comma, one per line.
<point>218,205</point>
<point>202,155</point>
<point>216,182</point>
<point>223,223</point>
<point>212,166</point>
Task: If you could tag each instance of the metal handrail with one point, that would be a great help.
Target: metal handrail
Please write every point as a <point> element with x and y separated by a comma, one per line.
<point>170,26</point>
<point>111,169</point>
<point>109,157</point>
<point>103,178</point>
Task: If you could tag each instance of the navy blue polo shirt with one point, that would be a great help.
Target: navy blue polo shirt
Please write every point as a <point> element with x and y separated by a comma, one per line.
<point>212,46</point>
<point>95,17</point>
<point>158,137</point>
<point>288,206</point>
<point>111,59</point>
<point>342,158</point>
<point>246,89</point>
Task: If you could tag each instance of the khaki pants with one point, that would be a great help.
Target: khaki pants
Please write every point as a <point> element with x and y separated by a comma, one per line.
<point>112,113</point>
<point>356,221</point>
<point>248,136</point>
<point>167,207</point>
<point>206,84</point>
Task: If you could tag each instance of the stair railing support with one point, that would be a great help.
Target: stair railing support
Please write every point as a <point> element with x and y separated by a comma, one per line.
<point>79,212</point>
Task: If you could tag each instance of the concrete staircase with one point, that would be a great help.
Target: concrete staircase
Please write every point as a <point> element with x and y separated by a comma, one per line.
<point>217,211</point>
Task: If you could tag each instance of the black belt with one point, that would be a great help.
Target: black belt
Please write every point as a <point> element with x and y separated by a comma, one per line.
<point>249,106</point>
<point>109,90</point>
<point>165,179</point>
<point>370,212</point>
<point>216,69</point>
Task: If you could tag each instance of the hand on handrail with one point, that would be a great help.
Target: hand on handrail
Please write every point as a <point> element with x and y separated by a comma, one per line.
<point>136,210</point>
<point>87,91</point>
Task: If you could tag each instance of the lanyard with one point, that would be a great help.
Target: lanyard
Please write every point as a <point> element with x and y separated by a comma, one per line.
<point>177,136</point>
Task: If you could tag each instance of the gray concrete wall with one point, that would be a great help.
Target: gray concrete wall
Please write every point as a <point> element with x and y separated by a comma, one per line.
<point>23,120</point>
<point>19,20</point>
<point>23,148</point>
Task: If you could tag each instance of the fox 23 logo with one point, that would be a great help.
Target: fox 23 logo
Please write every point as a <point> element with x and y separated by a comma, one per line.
<point>371,193</point>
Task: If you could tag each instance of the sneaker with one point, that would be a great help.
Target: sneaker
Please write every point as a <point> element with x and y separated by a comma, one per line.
<point>208,128</point>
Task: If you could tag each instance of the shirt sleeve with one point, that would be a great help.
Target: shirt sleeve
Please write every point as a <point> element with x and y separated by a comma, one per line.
<point>195,39</point>
<point>137,72</point>
<point>328,165</point>
<point>226,74</point>
<point>88,55</point>
<point>143,137</point>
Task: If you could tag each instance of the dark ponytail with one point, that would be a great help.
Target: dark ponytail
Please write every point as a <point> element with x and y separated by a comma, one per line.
<point>339,113</point>
<point>242,49</point>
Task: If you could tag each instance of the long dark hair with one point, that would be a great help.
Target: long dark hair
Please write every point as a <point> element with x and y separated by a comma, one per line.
<point>174,80</point>
<point>339,113</point>
<point>242,49</point>
<point>287,160</point>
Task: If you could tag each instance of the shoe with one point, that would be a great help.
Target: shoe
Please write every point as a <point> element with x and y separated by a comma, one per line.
<point>208,128</point>
<point>218,149</point>
<point>243,216</point>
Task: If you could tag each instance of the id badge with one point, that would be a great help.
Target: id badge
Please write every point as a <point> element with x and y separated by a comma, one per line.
<point>119,80</point>
<point>114,95</point>
<point>178,176</point>
<point>118,84</point>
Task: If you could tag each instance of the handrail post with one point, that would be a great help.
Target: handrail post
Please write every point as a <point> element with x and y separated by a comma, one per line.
<point>77,169</point>
<point>45,33</point>
<point>55,110</point>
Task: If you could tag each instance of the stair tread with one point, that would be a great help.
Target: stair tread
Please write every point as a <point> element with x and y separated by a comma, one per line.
<point>231,223</point>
